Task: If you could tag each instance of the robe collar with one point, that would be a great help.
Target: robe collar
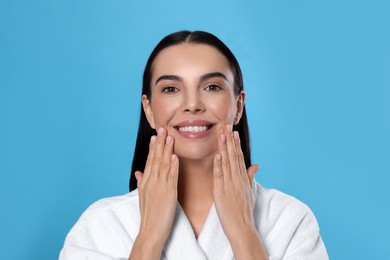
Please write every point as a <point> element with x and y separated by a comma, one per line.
<point>212,242</point>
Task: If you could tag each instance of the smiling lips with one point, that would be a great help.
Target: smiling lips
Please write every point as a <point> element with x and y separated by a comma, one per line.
<point>194,129</point>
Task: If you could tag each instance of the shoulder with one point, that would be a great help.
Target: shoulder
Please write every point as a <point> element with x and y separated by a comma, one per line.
<point>278,212</point>
<point>115,209</point>
<point>106,228</point>
<point>287,226</point>
<point>113,203</point>
<point>277,202</point>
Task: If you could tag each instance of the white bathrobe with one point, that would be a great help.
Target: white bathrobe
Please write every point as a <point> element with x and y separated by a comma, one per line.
<point>108,228</point>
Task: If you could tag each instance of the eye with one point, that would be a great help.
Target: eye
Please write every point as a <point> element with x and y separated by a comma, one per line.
<point>213,87</point>
<point>169,89</point>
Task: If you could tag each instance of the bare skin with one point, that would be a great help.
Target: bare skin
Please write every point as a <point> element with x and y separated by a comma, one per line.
<point>231,192</point>
<point>195,192</point>
<point>212,170</point>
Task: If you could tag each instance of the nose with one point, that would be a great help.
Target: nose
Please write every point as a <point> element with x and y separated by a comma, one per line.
<point>193,103</point>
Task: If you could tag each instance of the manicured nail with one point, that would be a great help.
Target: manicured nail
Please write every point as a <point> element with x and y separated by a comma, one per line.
<point>229,129</point>
<point>223,138</point>
<point>160,131</point>
<point>173,157</point>
<point>236,136</point>
<point>153,139</point>
<point>168,140</point>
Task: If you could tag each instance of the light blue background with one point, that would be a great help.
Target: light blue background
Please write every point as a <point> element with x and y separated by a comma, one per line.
<point>317,79</point>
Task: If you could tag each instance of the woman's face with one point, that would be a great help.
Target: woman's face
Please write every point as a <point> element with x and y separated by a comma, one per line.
<point>193,98</point>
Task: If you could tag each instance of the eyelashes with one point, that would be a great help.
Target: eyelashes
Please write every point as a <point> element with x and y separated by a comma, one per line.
<point>169,89</point>
<point>209,88</point>
<point>213,88</point>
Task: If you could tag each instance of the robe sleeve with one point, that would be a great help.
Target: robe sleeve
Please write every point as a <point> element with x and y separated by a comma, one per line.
<point>287,226</point>
<point>306,242</point>
<point>89,241</point>
<point>77,253</point>
<point>106,230</point>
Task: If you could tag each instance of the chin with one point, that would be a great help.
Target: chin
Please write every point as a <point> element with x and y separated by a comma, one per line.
<point>194,153</point>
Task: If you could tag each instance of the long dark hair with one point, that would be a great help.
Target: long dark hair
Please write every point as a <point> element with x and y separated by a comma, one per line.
<point>145,132</point>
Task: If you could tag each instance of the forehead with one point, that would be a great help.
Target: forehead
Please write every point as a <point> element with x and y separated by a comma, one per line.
<point>190,59</point>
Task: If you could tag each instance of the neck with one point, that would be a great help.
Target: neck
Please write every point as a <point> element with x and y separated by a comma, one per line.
<point>195,185</point>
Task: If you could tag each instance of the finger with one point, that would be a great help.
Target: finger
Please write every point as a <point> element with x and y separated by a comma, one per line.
<point>251,173</point>
<point>225,159</point>
<point>158,152</point>
<point>232,153</point>
<point>173,175</point>
<point>241,160</point>
<point>218,174</point>
<point>167,156</point>
<point>138,177</point>
<point>149,160</point>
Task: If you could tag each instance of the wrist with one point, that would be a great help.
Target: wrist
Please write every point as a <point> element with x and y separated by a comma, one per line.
<point>146,247</point>
<point>241,231</point>
<point>247,244</point>
<point>243,235</point>
<point>148,241</point>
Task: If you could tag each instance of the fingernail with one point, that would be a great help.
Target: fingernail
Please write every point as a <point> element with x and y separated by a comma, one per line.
<point>218,157</point>
<point>223,138</point>
<point>236,136</point>
<point>229,129</point>
<point>173,157</point>
<point>168,140</point>
<point>153,139</point>
<point>160,131</point>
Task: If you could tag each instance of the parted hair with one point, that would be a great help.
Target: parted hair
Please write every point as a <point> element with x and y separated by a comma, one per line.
<point>145,131</point>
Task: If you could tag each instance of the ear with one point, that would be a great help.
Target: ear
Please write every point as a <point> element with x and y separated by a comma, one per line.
<point>148,111</point>
<point>240,107</point>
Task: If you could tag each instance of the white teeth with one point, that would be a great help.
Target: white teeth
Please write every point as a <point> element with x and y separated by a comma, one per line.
<point>193,128</point>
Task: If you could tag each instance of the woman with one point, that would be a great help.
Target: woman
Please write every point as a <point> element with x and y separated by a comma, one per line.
<point>195,197</point>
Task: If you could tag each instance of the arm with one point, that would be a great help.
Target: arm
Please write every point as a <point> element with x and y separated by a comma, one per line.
<point>234,198</point>
<point>144,248</point>
<point>157,188</point>
<point>248,245</point>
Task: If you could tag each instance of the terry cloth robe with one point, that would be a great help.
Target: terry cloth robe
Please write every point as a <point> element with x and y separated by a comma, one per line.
<point>109,227</point>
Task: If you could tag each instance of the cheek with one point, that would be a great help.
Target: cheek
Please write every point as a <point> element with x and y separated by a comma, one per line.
<point>163,111</point>
<point>223,109</point>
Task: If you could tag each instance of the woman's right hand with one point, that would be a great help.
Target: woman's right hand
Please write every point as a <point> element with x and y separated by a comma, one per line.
<point>157,189</point>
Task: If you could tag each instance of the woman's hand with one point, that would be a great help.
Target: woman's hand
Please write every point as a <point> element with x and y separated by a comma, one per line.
<point>233,195</point>
<point>157,189</point>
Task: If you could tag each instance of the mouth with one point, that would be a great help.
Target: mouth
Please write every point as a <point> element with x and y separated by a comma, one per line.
<point>194,128</point>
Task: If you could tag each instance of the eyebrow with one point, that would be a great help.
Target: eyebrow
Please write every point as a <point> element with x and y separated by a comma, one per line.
<point>169,77</point>
<point>202,78</point>
<point>213,75</point>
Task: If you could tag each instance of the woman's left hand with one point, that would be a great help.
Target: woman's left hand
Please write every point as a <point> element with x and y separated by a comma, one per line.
<point>233,194</point>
